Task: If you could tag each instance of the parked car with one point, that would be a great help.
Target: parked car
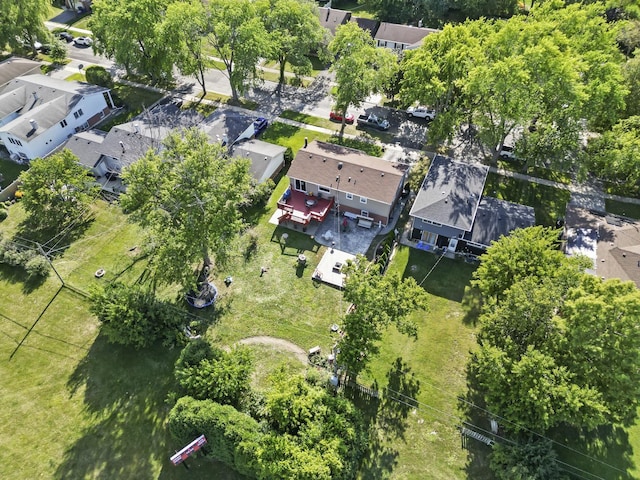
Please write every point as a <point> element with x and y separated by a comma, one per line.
<point>337,117</point>
<point>373,121</point>
<point>507,152</point>
<point>421,112</point>
<point>66,36</point>
<point>83,41</point>
<point>259,125</point>
<point>46,48</point>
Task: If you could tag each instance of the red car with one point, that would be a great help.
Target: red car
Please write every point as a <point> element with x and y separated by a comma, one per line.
<point>337,117</point>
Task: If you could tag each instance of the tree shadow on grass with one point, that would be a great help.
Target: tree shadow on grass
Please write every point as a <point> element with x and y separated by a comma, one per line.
<point>445,278</point>
<point>54,241</point>
<point>605,452</point>
<point>124,394</point>
<point>399,399</point>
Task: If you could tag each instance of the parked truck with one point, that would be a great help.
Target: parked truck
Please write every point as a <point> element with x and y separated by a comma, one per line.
<point>374,121</point>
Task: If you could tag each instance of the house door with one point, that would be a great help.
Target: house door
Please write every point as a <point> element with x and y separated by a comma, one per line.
<point>453,243</point>
<point>301,185</point>
<point>429,237</point>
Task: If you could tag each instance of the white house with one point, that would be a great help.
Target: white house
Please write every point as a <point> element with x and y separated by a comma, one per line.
<point>401,37</point>
<point>39,113</point>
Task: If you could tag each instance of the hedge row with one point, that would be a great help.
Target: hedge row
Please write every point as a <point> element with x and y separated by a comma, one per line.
<point>35,265</point>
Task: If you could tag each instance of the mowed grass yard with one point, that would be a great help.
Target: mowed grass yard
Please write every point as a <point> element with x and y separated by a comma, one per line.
<point>79,407</point>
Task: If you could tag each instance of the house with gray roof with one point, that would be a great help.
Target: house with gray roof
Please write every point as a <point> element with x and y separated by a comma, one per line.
<point>370,25</point>
<point>332,18</point>
<point>107,154</point>
<point>267,159</point>
<point>14,67</point>
<point>450,212</point>
<point>38,113</point>
<point>401,37</point>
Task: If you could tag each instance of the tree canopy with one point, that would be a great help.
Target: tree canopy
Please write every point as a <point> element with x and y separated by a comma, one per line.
<point>23,21</point>
<point>378,302</point>
<point>556,345</point>
<point>615,155</point>
<point>295,33</point>
<point>361,68</point>
<point>57,190</point>
<point>187,198</point>
<point>129,33</point>
<point>535,78</point>
<point>239,38</point>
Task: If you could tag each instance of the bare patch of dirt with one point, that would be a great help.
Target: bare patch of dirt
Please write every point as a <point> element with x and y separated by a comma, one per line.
<point>278,344</point>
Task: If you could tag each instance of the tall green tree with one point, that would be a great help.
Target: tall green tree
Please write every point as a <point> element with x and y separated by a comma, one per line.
<point>525,253</point>
<point>295,32</point>
<point>239,38</point>
<point>378,302</point>
<point>185,27</point>
<point>535,77</point>
<point>187,198</point>
<point>57,191</point>
<point>129,33</point>
<point>23,21</point>
<point>615,155</point>
<point>361,68</point>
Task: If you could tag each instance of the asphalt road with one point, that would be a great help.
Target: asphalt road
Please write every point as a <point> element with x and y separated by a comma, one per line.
<point>314,100</point>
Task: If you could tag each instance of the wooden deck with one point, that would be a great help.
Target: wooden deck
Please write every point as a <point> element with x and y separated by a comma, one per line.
<point>301,208</point>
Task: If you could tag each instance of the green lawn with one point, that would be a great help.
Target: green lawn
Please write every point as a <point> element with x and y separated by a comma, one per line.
<point>134,99</point>
<point>316,66</point>
<point>76,77</point>
<point>95,410</point>
<point>622,208</point>
<point>10,171</point>
<point>549,203</point>
<point>317,121</point>
<point>290,136</point>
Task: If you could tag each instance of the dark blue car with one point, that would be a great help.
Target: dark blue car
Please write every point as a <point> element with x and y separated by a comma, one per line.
<point>259,125</point>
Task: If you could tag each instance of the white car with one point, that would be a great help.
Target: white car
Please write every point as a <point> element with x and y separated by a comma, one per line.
<point>83,41</point>
<point>421,112</point>
<point>507,152</point>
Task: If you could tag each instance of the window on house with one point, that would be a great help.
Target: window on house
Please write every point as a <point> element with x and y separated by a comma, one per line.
<point>80,112</point>
<point>63,123</point>
<point>324,189</point>
<point>349,196</point>
<point>19,142</point>
<point>364,213</point>
<point>363,199</point>
<point>11,140</point>
<point>301,185</point>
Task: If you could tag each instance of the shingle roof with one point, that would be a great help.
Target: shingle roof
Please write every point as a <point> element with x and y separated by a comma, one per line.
<point>402,33</point>
<point>348,170</point>
<point>43,99</point>
<point>369,24</point>
<point>496,218</point>
<point>266,158</point>
<point>450,193</point>
<point>332,18</point>
<point>15,67</point>
<point>87,146</point>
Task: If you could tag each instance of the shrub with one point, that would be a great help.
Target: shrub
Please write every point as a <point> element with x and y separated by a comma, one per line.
<point>131,315</point>
<point>58,52</point>
<point>37,267</point>
<point>3,214</point>
<point>98,76</point>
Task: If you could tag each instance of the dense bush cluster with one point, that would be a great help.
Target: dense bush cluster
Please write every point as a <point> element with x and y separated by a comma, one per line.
<point>210,373</point>
<point>35,265</point>
<point>131,315</point>
<point>97,75</point>
<point>301,431</point>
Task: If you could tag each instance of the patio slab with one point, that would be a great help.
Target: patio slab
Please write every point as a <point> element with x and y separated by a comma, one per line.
<point>353,239</point>
<point>329,269</point>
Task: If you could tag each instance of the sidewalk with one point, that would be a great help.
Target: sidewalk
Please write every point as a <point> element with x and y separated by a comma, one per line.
<point>53,25</point>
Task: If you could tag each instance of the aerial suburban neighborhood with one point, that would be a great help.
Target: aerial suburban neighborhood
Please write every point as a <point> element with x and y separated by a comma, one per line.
<point>303,239</point>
